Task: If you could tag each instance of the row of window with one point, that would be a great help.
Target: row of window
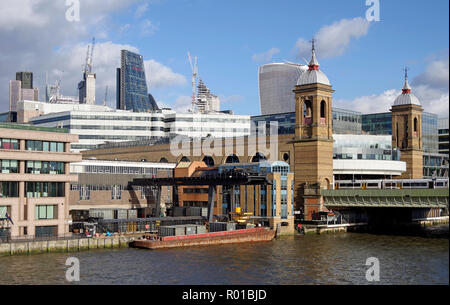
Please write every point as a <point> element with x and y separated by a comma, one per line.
<point>9,144</point>
<point>36,145</point>
<point>45,167</point>
<point>32,189</point>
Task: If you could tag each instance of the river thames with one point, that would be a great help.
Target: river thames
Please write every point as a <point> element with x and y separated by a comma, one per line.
<point>314,259</point>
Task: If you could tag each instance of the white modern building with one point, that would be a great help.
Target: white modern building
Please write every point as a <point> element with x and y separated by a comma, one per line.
<point>206,101</point>
<point>96,124</point>
<point>365,157</point>
<point>276,82</point>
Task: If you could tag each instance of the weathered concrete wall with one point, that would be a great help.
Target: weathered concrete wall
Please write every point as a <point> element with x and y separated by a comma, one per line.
<point>68,245</point>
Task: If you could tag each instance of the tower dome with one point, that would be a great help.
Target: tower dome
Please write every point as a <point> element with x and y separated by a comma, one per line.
<point>406,98</point>
<point>313,75</point>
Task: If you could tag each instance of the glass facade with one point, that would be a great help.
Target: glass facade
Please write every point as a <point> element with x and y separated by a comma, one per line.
<point>364,147</point>
<point>443,134</point>
<point>276,84</point>
<point>381,124</point>
<point>133,84</point>
<point>344,122</point>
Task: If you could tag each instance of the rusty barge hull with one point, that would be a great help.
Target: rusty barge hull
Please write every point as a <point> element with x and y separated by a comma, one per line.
<point>208,239</point>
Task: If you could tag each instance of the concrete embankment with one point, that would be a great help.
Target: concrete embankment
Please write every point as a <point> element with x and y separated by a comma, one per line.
<point>67,245</point>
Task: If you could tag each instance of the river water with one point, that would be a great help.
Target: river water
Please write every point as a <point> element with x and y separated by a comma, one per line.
<point>313,259</point>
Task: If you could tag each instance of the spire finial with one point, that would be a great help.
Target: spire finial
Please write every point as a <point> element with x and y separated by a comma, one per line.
<point>313,63</point>
<point>406,88</point>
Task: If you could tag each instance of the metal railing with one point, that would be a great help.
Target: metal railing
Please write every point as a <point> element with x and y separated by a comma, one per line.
<point>18,239</point>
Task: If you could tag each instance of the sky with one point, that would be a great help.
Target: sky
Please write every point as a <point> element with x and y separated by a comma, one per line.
<point>364,60</point>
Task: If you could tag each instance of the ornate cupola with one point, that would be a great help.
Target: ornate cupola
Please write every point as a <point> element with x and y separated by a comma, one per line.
<point>313,142</point>
<point>407,130</point>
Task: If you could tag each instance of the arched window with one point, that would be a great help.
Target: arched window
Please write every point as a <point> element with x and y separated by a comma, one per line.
<point>258,157</point>
<point>232,159</point>
<point>308,112</point>
<point>163,160</point>
<point>209,161</point>
<point>323,109</point>
<point>185,159</point>
<point>415,125</point>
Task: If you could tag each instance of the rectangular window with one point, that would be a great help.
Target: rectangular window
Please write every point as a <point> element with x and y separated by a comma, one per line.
<point>9,144</point>
<point>9,189</point>
<point>44,189</point>
<point>44,212</point>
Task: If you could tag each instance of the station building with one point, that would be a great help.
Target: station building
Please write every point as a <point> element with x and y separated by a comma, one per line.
<point>103,184</point>
<point>35,180</point>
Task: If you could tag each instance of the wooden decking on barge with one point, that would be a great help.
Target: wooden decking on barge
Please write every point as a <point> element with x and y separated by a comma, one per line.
<point>207,239</point>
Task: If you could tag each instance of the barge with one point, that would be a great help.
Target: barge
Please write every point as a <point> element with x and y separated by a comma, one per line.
<point>213,238</point>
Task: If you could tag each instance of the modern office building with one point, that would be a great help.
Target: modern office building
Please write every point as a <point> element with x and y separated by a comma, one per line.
<point>443,135</point>
<point>344,122</point>
<point>100,124</point>
<point>276,82</point>
<point>26,78</point>
<point>86,89</point>
<point>35,180</point>
<point>104,185</point>
<point>22,89</point>
<point>365,157</point>
<point>132,93</point>
<point>206,101</point>
<point>381,124</point>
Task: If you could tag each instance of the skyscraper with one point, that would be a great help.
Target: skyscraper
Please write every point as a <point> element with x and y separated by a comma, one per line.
<point>86,89</point>
<point>206,101</point>
<point>132,93</point>
<point>276,81</point>
<point>26,78</point>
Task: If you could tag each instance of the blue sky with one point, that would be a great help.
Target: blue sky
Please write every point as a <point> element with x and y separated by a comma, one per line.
<point>364,61</point>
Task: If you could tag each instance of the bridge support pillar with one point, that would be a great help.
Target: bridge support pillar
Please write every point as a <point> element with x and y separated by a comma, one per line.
<point>211,196</point>
<point>312,201</point>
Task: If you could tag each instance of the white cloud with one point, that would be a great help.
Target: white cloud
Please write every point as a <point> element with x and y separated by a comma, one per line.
<point>141,10</point>
<point>333,40</point>
<point>40,39</point>
<point>183,104</point>
<point>160,76</point>
<point>231,99</point>
<point>266,56</point>
<point>430,87</point>
<point>148,28</point>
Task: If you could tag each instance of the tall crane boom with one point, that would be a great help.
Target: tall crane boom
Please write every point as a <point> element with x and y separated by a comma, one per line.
<point>91,55</point>
<point>194,68</point>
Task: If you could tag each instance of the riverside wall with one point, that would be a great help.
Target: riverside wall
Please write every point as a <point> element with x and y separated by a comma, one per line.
<point>66,245</point>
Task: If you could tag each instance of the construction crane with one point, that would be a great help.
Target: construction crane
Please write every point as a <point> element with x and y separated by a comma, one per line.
<point>89,56</point>
<point>194,68</point>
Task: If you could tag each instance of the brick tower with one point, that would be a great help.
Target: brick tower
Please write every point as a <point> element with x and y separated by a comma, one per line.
<point>313,142</point>
<point>407,131</point>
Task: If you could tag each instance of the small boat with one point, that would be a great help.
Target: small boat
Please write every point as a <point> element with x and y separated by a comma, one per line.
<point>207,239</point>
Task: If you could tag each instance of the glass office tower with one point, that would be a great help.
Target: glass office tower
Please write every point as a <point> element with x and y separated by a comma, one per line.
<point>276,84</point>
<point>132,91</point>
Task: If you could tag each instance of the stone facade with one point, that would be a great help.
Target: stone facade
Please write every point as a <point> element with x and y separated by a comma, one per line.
<point>407,136</point>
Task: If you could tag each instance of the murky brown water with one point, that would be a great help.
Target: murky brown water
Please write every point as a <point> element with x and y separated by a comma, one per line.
<point>324,259</point>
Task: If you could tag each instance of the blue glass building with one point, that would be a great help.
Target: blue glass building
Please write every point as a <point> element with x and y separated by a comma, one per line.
<point>132,93</point>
